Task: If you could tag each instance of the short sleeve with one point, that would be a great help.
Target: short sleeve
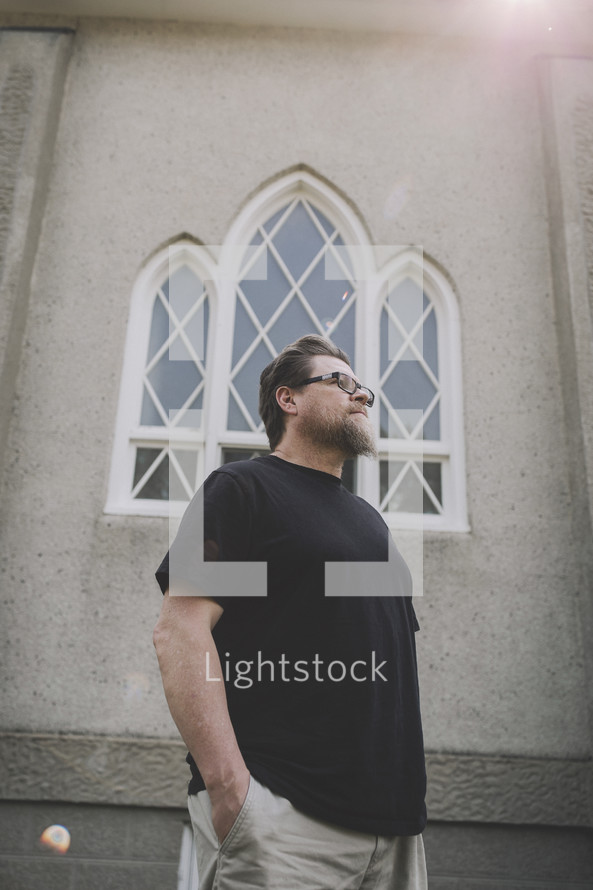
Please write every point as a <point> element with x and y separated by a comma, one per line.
<point>215,528</point>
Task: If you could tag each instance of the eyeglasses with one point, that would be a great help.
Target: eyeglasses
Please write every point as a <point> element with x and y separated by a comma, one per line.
<point>345,382</point>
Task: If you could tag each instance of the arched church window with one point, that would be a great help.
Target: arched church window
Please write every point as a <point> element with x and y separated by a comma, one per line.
<point>421,443</point>
<point>161,422</point>
<point>296,278</point>
<point>295,261</point>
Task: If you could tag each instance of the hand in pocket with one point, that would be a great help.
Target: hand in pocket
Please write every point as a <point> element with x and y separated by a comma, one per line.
<point>227,804</point>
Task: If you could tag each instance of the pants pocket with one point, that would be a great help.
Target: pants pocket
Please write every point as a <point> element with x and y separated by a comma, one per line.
<point>238,825</point>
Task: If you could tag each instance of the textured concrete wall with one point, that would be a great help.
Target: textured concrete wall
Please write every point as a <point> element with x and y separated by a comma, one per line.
<point>32,70</point>
<point>146,772</point>
<point>113,848</point>
<point>567,108</point>
<point>167,129</point>
<point>495,857</point>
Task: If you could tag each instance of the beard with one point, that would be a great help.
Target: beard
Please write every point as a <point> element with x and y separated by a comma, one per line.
<point>351,437</point>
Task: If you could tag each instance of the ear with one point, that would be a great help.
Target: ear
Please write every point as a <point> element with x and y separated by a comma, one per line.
<point>285,399</point>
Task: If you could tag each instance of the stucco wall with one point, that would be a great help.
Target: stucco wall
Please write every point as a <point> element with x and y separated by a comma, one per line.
<point>167,129</point>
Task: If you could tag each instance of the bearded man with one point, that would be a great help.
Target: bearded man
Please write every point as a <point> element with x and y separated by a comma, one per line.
<point>300,709</point>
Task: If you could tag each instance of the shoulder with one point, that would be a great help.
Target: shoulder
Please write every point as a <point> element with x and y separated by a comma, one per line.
<point>242,469</point>
<point>243,475</point>
<point>364,507</point>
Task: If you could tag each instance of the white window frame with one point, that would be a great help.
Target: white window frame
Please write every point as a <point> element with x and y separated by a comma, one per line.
<point>220,277</point>
<point>129,436</point>
<point>449,450</point>
<point>265,203</point>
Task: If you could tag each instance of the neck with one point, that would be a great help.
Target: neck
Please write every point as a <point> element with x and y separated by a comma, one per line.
<point>309,456</point>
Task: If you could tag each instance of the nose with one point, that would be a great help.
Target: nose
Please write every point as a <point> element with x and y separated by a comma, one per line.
<point>360,396</point>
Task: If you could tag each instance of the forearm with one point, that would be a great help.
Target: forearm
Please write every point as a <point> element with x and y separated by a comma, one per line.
<point>194,689</point>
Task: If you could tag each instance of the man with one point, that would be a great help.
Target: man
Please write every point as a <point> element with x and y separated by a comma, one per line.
<point>300,710</point>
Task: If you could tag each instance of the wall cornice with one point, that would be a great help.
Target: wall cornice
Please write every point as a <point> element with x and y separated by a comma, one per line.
<point>559,28</point>
<point>152,773</point>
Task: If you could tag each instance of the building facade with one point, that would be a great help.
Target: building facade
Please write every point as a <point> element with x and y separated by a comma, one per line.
<point>183,195</point>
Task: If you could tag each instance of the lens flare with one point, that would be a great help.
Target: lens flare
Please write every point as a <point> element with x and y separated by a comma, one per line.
<point>56,838</point>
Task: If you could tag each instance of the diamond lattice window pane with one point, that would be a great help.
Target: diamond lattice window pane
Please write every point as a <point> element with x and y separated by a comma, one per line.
<point>175,369</point>
<point>385,431</point>
<point>298,241</point>
<point>149,415</point>
<point>270,224</point>
<point>408,497</point>
<point>341,249</point>
<point>407,486</point>
<point>294,322</point>
<point>305,241</point>
<point>325,223</point>
<point>408,386</point>
<point>156,486</point>
<point>343,334</point>
<point>433,476</point>
<point>192,416</point>
<point>159,328</point>
<point>196,329</point>
<point>174,381</point>
<point>246,381</point>
<point>188,462</point>
<point>245,332</point>
<point>392,426</point>
<point>426,342</point>
<point>182,290</point>
<point>326,295</point>
<point>166,478</point>
<point>407,302</point>
<point>255,262</point>
<point>145,457</point>
<point>182,474</point>
<point>410,394</point>
<point>392,341</point>
<point>265,295</point>
<point>236,420</point>
<point>432,425</point>
<point>389,471</point>
<point>410,389</point>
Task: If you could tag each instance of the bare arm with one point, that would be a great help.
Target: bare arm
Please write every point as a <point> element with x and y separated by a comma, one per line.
<point>183,640</point>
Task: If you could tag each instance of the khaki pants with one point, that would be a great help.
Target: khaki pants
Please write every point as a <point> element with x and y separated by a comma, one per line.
<point>272,845</point>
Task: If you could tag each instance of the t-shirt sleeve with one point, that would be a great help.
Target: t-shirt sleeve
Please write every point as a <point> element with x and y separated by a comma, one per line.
<point>216,527</point>
<point>162,574</point>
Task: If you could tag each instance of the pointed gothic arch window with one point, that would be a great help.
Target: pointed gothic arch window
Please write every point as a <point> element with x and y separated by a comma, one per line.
<point>160,430</point>
<point>290,271</point>
<point>421,465</point>
<point>296,278</point>
<point>295,261</point>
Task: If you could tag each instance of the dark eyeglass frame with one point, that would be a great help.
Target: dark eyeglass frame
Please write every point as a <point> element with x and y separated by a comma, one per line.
<point>337,375</point>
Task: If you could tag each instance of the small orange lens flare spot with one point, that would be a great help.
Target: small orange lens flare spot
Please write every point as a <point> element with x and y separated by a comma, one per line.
<point>56,838</point>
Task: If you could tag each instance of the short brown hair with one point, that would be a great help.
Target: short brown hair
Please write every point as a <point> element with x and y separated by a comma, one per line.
<point>290,368</point>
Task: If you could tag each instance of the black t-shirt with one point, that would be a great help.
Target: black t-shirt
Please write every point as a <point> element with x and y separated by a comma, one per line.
<point>322,690</point>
